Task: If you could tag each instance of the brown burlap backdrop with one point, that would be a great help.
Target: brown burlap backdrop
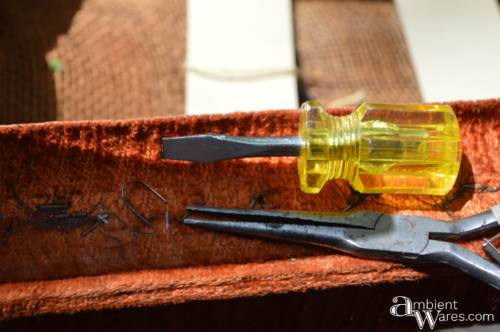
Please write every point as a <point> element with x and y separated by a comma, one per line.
<point>348,46</point>
<point>123,58</point>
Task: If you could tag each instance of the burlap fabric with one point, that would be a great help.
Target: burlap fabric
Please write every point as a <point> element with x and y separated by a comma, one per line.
<point>123,58</point>
<point>348,46</point>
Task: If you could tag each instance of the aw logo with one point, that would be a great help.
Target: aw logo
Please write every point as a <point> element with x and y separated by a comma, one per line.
<point>409,311</point>
<point>422,311</point>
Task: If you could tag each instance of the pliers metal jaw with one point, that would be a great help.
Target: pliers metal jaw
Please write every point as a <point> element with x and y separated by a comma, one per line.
<point>368,234</point>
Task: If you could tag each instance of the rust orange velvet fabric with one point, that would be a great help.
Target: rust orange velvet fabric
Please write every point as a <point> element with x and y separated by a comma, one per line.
<point>46,271</point>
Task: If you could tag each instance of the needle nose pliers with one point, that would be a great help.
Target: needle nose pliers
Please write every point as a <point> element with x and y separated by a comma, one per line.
<point>369,234</point>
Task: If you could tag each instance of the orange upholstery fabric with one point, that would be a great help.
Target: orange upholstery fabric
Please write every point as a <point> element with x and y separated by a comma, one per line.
<point>46,271</point>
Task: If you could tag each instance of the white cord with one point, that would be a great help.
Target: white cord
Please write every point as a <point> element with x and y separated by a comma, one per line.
<point>235,74</point>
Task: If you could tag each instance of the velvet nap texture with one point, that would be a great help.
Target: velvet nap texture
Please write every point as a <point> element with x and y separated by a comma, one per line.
<point>46,271</point>
<point>349,308</point>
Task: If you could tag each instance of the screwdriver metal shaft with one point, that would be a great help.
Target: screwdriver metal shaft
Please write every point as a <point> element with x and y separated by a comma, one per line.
<point>214,147</point>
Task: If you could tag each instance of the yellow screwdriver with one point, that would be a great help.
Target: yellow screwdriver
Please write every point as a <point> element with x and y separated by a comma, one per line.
<point>379,148</point>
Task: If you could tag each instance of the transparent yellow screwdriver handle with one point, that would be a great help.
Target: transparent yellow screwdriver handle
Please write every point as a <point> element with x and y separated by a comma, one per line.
<point>381,148</point>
